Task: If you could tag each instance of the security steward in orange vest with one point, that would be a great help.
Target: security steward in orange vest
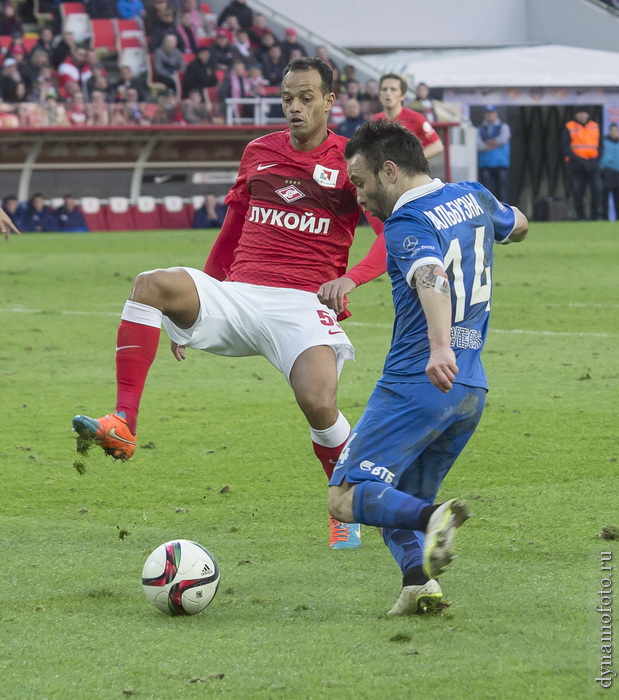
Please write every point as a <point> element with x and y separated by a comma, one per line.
<point>580,142</point>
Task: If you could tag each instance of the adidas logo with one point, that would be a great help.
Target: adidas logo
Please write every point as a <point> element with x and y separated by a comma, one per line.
<point>206,570</point>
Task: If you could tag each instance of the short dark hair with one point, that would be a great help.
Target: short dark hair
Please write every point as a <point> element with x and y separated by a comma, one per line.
<point>306,63</point>
<point>383,140</point>
<point>395,76</point>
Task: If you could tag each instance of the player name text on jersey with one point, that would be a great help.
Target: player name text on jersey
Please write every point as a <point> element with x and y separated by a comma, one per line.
<point>454,212</point>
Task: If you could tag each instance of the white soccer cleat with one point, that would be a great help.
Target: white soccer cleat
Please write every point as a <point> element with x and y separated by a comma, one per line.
<point>416,600</point>
<point>442,526</point>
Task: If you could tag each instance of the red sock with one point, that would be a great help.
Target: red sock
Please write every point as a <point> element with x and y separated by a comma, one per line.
<point>328,456</point>
<point>136,348</point>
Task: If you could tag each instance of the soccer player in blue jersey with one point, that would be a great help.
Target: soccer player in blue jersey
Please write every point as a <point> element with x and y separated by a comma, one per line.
<point>439,238</point>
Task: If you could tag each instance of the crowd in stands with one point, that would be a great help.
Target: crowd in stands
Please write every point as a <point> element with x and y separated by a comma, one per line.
<point>38,216</point>
<point>196,60</point>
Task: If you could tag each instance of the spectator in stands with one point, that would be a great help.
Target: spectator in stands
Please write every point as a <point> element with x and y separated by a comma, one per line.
<point>392,91</point>
<point>130,9</point>
<point>129,109</point>
<point>353,118</point>
<point>236,85</point>
<point>195,110</point>
<point>38,217</point>
<point>493,153</point>
<point>55,112</point>
<point>273,65</point>
<point>98,81</point>
<point>154,12</point>
<point>98,109</point>
<point>23,66</point>
<point>13,210</point>
<point>211,214</point>
<point>370,100</point>
<point>323,54</point>
<point>609,169</point>
<point>45,41</point>
<point>101,9</point>
<point>200,74</point>
<point>352,90</point>
<point>196,18</point>
<point>12,86</point>
<point>73,73</point>
<point>168,62</point>
<point>65,45</point>
<point>185,30</point>
<point>223,53</point>
<point>169,110</point>
<point>349,74</point>
<point>76,109</point>
<point>127,80</point>
<point>257,30</point>
<point>432,109</point>
<point>231,23</point>
<point>240,10</point>
<point>9,22</point>
<point>580,142</point>
<point>291,43</point>
<point>266,42</point>
<point>164,26</point>
<point>242,44</point>
<point>70,218</point>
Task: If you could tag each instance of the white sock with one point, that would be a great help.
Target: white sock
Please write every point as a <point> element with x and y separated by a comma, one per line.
<point>142,314</point>
<point>333,436</point>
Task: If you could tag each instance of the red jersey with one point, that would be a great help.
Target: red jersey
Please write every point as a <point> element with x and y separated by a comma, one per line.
<point>416,123</point>
<point>300,212</point>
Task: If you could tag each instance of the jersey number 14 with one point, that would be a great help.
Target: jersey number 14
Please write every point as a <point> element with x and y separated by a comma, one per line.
<point>480,293</point>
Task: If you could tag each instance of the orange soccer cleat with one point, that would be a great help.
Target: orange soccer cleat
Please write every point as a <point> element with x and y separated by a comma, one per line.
<point>344,535</point>
<point>110,432</point>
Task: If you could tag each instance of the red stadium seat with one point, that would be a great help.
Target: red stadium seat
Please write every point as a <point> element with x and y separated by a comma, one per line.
<point>29,42</point>
<point>175,213</point>
<point>103,36</point>
<point>75,19</point>
<point>146,214</point>
<point>93,213</point>
<point>119,214</point>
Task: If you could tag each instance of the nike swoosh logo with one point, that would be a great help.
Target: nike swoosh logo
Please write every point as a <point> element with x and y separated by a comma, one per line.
<point>335,332</point>
<point>125,347</point>
<point>160,179</point>
<point>112,434</point>
<point>264,167</point>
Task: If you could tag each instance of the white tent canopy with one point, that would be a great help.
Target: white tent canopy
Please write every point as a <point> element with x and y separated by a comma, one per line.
<point>539,66</point>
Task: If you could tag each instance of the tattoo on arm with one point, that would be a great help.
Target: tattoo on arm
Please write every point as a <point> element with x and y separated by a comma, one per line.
<point>426,277</point>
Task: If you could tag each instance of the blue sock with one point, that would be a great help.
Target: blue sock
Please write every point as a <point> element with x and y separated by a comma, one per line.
<point>384,506</point>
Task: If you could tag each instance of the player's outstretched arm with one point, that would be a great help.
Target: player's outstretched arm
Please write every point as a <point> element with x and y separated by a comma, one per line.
<point>6,225</point>
<point>432,287</point>
<point>520,229</point>
<point>221,255</point>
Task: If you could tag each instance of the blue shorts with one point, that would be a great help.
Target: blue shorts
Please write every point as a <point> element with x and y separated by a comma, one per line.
<point>409,436</point>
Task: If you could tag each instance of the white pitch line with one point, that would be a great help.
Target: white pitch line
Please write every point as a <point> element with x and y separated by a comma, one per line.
<point>361,324</point>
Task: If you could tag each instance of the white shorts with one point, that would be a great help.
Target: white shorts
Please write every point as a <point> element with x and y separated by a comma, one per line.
<point>240,320</point>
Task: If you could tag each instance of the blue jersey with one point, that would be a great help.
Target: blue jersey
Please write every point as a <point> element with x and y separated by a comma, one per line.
<point>453,226</point>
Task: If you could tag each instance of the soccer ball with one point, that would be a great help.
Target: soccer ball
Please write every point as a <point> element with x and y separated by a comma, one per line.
<point>180,577</point>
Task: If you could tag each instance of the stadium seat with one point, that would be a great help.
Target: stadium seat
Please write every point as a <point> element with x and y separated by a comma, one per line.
<point>196,202</point>
<point>75,19</point>
<point>119,214</point>
<point>175,213</point>
<point>135,57</point>
<point>93,213</point>
<point>29,41</point>
<point>146,214</point>
<point>103,36</point>
<point>56,202</point>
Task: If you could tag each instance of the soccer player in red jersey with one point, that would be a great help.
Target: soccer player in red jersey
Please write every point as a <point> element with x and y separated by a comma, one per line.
<point>392,91</point>
<point>274,283</point>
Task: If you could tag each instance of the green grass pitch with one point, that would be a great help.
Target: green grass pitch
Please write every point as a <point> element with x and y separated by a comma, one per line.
<point>293,619</point>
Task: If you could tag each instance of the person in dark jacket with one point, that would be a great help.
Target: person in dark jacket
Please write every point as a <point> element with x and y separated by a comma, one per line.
<point>38,217</point>
<point>210,214</point>
<point>70,218</point>
<point>238,9</point>
<point>200,73</point>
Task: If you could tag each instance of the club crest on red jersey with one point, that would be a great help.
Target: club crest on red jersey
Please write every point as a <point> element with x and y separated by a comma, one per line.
<point>325,177</point>
<point>290,193</point>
